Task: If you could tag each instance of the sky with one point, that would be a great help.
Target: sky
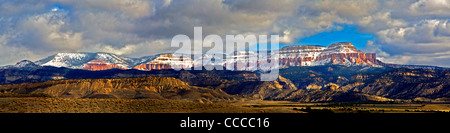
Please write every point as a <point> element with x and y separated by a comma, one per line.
<point>348,33</point>
<point>398,31</point>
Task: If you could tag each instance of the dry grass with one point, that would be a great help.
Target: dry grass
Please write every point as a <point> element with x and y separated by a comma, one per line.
<point>71,105</point>
<point>348,107</point>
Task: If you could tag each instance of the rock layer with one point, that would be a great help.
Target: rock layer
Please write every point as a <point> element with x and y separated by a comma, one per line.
<point>98,65</point>
<point>166,61</point>
<point>343,53</point>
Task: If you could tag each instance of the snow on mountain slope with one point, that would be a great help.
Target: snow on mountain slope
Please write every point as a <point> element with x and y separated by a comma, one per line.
<point>104,61</point>
<point>341,53</point>
<point>79,60</point>
<point>98,65</point>
<point>70,60</point>
<point>24,64</point>
<point>166,61</point>
<point>340,47</point>
<point>300,55</point>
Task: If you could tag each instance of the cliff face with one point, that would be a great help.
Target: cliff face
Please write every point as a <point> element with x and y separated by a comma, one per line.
<point>406,83</point>
<point>284,88</point>
<point>98,65</point>
<point>300,55</point>
<point>152,66</point>
<point>353,58</point>
<point>385,82</point>
<point>343,53</point>
<point>166,61</point>
<point>267,90</point>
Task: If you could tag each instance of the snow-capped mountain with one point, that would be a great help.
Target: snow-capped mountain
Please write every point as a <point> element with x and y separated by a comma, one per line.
<point>97,65</point>
<point>166,61</point>
<point>242,61</point>
<point>104,61</point>
<point>210,59</point>
<point>24,64</point>
<point>80,60</point>
<point>342,53</point>
<point>300,55</point>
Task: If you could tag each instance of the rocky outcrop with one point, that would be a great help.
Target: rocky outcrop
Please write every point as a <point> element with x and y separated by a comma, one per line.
<point>299,55</point>
<point>166,61</point>
<point>407,84</point>
<point>332,96</point>
<point>343,53</point>
<point>349,58</point>
<point>267,90</point>
<point>129,88</point>
<point>152,66</point>
<point>98,65</point>
<point>320,89</point>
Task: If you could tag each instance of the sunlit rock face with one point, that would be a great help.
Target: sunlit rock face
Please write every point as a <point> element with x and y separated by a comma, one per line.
<point>166,61</point>
<point>342,53</point>
<point>98,65</point>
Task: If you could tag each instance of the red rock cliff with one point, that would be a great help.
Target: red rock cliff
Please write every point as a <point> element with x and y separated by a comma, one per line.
<point>98,65</point>
<point>342,53</point>
<point>166,61</point>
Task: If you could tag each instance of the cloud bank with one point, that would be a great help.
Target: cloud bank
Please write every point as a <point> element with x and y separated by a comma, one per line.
<point>406,31</point>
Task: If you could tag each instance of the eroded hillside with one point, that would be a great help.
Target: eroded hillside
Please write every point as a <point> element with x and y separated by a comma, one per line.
<point>126,88</point>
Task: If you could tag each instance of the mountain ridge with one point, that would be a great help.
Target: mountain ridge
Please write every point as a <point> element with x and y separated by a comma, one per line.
<point>124,88</point>
<point>330,83</point>
<point>341,53</point>
<point>308,73</point>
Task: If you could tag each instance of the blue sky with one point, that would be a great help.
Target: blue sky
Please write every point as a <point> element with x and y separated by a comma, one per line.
<point>57,7</point>
<point>345,33</point>
<point>348,33</point>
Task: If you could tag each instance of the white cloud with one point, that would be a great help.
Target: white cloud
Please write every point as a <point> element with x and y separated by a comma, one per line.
<point>127,49</point>
<point>424,43</point>
<point>13,54</point>
<point>166,3</point>
<point>379,21</point>
<point>347,8</point>
<point>430,7</point>
<point>426,36</point>
<point>146,48</point>
<point>132,8</point>
<point>44,32</point>
<point>11,7</point>
<point>281,7</point>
